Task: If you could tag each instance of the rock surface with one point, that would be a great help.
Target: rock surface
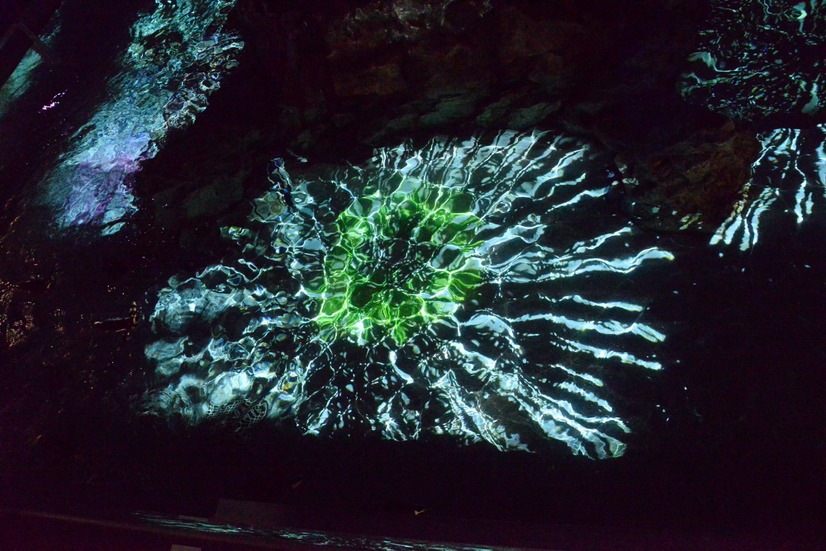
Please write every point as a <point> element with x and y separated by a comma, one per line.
<point>691,183</point>
<point>330,80</point>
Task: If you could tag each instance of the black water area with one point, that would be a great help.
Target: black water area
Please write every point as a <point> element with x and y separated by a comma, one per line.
<point>728,437</point>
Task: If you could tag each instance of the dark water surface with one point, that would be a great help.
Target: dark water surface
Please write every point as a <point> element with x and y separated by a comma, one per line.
<point>728,435</point>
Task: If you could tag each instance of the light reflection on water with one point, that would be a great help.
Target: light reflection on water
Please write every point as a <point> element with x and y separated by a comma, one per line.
<point>757,58</point>
<point>788,180</point>
<point>307,537</point>
<point>759,62</point>
<point>512,336</point>
<point>177,58</point>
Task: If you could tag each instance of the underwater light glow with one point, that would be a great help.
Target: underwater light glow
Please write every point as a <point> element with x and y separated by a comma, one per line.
<point>177,58</point>
<point>471,288</point>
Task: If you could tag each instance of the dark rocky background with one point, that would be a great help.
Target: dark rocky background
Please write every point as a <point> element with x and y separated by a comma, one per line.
<point>329,80</point>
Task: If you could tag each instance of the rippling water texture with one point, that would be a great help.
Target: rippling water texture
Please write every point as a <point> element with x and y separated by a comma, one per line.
<point>788,178</point>
<point>177,57</point>
<point>474,288</point>
<point>760,57</point>
<point>308,538</point>
<point>755,60</point>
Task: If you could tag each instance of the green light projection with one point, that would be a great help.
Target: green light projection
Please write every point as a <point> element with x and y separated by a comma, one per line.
<point>367,294</point>
<point>481,288</point>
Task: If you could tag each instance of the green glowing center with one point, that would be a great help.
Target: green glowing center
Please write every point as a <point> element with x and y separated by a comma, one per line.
<point>401,260</point>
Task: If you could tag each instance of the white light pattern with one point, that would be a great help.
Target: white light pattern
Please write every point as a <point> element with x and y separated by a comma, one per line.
<point>789,178</point>
<point>177,57</point>
<point>528,356</point>
<point>756,59</point>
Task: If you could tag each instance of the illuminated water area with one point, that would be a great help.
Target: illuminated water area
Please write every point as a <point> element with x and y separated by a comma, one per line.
<point>177,57</point>
<point>393,334</point>
<point>402,260</point>
<point>759,62</point>
<point>759,58</point>
<point>788,183</point>
<point>451,289</point>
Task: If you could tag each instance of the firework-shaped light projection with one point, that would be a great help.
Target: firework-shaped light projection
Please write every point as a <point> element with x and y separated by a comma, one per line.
<point>177,58</point>
<point>481,289</point>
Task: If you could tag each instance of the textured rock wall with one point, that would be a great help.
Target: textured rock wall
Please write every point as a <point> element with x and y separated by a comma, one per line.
<point>333,79</point>
<point>379,70</point>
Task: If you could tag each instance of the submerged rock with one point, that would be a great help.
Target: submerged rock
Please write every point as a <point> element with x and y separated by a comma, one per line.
<point>692,183</point>
<point>330,81</point>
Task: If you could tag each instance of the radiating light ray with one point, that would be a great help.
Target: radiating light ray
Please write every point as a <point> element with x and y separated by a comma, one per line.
<point>752,61</point>
<point>788,178</point>
<point>451,289</point>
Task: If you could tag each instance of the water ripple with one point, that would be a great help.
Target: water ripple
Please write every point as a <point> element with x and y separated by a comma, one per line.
<point>177,58</point>
<point>759,58</point>
<point>789,178</point>
<point>468,288</point>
